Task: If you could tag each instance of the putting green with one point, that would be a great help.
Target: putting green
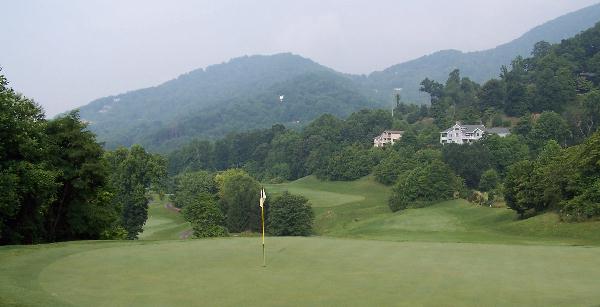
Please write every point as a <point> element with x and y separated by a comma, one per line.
<point>311,271</point>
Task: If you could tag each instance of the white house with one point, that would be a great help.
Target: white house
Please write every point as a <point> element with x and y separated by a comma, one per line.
<point>465,134</point>
<point>387,137</point>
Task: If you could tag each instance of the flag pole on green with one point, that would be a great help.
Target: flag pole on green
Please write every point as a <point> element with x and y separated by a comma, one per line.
<point>263,197</point>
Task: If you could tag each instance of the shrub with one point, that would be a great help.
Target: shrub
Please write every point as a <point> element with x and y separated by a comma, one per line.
<point>290,215</point>
<point>424,185</point>
<point>205,217</point>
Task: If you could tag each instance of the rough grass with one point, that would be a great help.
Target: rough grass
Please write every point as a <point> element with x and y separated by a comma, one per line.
<point>301,271</point>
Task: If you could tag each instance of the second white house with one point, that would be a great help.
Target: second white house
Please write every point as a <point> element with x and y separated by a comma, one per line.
<point>465,134</point>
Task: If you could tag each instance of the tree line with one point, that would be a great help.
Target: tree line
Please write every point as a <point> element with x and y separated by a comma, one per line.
<point>57,183</point>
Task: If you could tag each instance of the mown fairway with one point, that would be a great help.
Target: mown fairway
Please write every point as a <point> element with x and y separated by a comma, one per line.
<point>163,224</point>
<point>452,253</point>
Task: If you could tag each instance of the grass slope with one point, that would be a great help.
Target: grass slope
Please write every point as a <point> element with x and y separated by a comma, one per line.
<point>162,223</point>
<point>301,271</point>
<point>367,216</point>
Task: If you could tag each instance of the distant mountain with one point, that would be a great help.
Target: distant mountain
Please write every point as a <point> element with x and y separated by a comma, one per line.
<point>305,97</point>
<point>243,93</point>
<point>479,66</point>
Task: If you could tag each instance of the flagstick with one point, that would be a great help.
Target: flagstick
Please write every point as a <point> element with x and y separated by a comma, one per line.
<point>263,197</point>
<point>262,213</point>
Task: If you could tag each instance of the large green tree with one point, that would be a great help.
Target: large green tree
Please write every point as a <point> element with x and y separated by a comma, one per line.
<point>239,195</point>
<point>53,183</point>
<point>132,172</point>
<point>77,212</point>
<point>27,181</point>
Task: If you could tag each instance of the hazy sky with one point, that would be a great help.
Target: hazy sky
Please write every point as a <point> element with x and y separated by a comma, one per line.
<point>66,53</point>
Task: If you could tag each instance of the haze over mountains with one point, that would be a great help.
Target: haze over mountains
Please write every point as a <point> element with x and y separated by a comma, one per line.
<point>243,93</point>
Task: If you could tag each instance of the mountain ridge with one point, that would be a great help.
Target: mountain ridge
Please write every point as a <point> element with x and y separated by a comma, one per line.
<point>480,65</point>
<point>240,88</point>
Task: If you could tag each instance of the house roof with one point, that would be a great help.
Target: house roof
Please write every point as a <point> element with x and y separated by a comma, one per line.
<point>472,128</point>
<point>498,130</point>
<point>388,131</point>
<point>467,128</point>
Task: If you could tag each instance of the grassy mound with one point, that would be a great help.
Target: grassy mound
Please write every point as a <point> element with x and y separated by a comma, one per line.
<point>305,271</point>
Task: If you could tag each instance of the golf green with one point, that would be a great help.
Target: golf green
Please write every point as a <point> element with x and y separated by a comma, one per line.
<point>450,254</point>
<point>301,271</point>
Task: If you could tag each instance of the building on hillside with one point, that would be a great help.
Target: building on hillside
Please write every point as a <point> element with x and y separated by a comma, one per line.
<point>387,137</point>
<point>466,134</point>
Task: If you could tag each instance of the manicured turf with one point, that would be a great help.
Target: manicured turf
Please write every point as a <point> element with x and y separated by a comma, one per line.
<point>413,257</point>
<point>300,271</point>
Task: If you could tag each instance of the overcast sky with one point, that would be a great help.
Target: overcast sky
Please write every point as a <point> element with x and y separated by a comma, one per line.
<point>66,53</point>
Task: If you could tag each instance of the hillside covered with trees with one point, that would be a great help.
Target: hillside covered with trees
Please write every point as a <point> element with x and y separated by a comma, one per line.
<point>243,94</point>
<point>549,100</point>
